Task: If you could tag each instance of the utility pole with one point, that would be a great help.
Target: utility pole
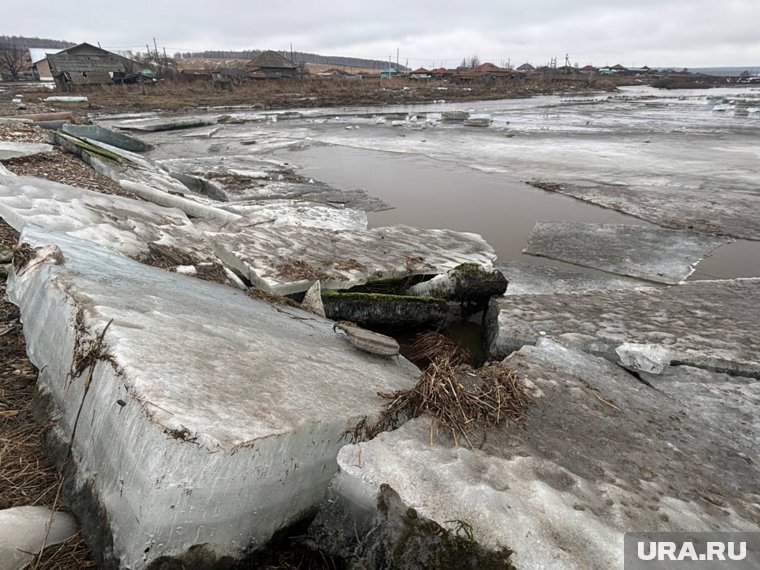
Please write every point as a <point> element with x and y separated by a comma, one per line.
<point>155,47</point>
<point>397,60</point>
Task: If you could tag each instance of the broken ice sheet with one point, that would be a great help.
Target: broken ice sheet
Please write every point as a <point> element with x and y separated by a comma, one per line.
<point>655,254</point>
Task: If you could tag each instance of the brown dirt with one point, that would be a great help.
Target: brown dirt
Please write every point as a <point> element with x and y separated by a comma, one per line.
<point>21,132</point>
<point>60,166</point>
<point>179,96</point>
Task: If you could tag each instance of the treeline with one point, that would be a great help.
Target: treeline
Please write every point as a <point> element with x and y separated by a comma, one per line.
<point>298,57</point>
<point>24,42</point>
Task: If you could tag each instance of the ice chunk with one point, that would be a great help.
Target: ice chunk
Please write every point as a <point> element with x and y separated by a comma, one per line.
<point>25,530</point>
<point>599,454</point>
<point>527,278</point>
<point>652,358</point>
<point>211,418</point>
<point>121,224</point>
<point>708,324</point>
<point>655,254</point>
<point>167,124</point>
<point>288,260</point>
<point>10,150</point>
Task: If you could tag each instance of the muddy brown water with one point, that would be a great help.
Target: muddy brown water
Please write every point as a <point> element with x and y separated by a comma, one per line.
<point>503,209</point>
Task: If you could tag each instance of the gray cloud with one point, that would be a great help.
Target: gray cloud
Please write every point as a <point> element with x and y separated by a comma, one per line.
<point>653,32</point>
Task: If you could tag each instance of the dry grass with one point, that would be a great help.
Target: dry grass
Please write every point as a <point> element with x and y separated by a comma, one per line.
<point>22,255</point>
<point>463,401</point>
<point>271,298</point>
<point>345,264</point>
<point>60,166</point>
<point>168,95</point>
<point>432,346</point>
<point>299,269</point>
<point>168,257</point>
<point>70,555</point>
<point>27,477</point>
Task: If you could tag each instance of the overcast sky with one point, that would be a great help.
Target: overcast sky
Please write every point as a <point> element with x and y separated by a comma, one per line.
<point>686,33</point>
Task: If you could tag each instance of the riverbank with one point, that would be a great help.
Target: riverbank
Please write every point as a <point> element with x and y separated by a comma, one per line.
<point>193,96</point>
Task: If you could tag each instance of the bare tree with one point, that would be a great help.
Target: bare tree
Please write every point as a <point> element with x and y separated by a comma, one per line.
<point>473,62</point>
<point>12,61</point>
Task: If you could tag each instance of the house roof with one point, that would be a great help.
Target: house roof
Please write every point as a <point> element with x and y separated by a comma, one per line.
<point>421,71</point>
<point>488,67</point>
<point>86,69</point>
<point>440,70</point>
<point>83,44</point>
<point>271,59</point>
<point>588,68</point>
<point>526,67</point>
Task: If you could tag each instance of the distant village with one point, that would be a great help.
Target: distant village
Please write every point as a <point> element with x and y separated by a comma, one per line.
<point>87,65</point>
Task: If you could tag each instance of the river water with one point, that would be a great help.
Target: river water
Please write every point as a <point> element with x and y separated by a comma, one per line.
<point>474,179</point>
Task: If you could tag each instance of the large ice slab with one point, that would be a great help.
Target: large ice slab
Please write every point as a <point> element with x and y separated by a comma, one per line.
<point>655,254</point>
<point>121,224</point>
<point>706,324</point>
<point>211,419</point>
<point>118,164</point>
<point>723,211</point>
<point>10,150</point>
<point>538,279</point>
<point>289,260</point>
<point>600,454</point>
<point>246,177</point>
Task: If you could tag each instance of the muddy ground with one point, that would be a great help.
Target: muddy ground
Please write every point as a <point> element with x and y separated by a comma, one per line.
<point>184,96</point>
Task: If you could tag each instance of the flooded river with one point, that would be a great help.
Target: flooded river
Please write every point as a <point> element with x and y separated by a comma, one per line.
<point>472,179</point>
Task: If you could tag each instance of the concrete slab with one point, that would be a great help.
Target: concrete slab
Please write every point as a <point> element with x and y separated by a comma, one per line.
<point>287,260</point>
<point>120,224</point>
<point>528,278</point>
<point>706,324</point>
<point>600,454</point>
<point>209,419</point>
<point>655,254</point>
<point>10,150</point>
<point>724,211</point>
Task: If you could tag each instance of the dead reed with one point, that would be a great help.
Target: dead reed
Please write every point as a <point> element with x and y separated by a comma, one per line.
<point>462,400</point>
<point>433,346</point>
